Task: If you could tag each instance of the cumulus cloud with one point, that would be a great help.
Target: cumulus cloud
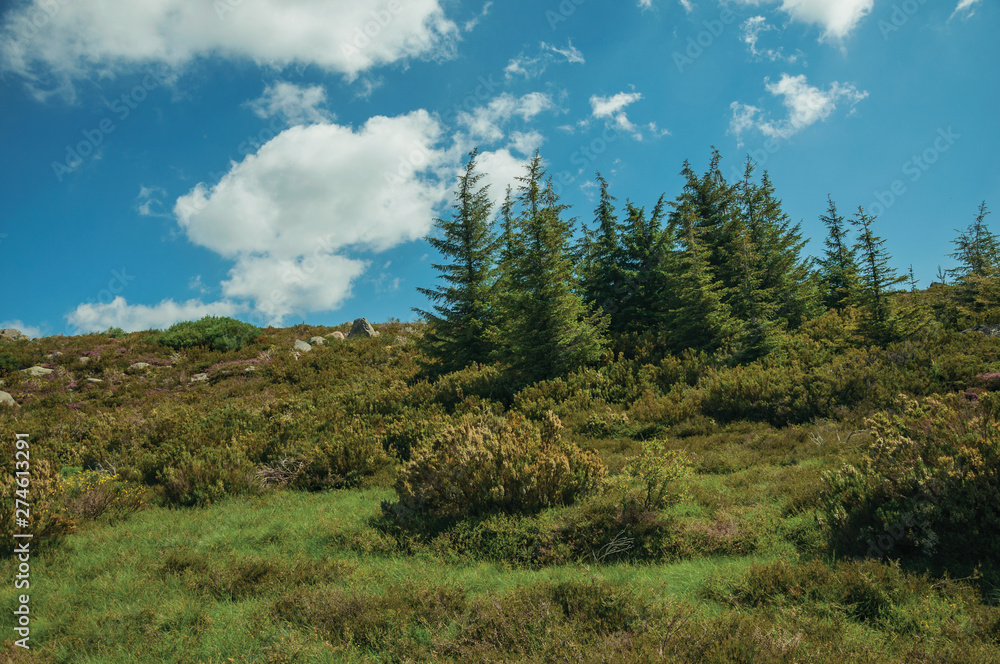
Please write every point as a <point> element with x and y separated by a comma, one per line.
<point>297,104</point>
<point>134,317</point>
<point>805,105</point>
<point>486,123</point>
<point>149,202</point>
<point>287,214</point>
<point>837,18</point>
<point>526,142</point>
<point>612,110</point>
<point>80,39</point>
<point>533,66</point>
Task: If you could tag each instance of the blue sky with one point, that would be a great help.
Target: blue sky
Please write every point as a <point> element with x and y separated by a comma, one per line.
<point>281,160</point>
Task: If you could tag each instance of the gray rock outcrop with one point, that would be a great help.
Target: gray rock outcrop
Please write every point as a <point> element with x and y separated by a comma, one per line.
<point>991,330</point>
<point>336,335</point>
<point>362,328</point>
<point>302,346</point>
<point>7,400</point>
<point>317,341</point>
<point>11,334</point>
<point>37,371</point>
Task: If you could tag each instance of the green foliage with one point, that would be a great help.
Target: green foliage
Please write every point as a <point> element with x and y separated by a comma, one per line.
<point>216,332</point>
<point>490,464</point>
<point>659,474</point>
<point>928,485</point>
<point>838,268</point>
<point>114,332</point>
<point>463,327</point>
<point>92,494</point>
<point>8,364</point>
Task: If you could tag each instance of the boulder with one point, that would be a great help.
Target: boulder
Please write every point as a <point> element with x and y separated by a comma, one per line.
<point>37,371</point>
<point>199,378</point>
<point>7,400</point>
<point>362,328</point>
<point>11,334</point>
<point>336,335</point>
<point>94,380</point>
<point>138,366</point>
<point>302,346</point>
<point>54,354</point>
<point>317,341</point>
<point>84,360</point>
<point>990,330</point>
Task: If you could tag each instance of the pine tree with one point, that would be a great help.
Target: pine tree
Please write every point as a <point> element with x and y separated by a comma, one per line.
<point>881,322</point>
<point>977,277</point>
<point>646,263</point>
<point>462,325</point>
<point>548,330</point>
<point>700,317</point>
<point>838,269</point>
<point>601,279</point>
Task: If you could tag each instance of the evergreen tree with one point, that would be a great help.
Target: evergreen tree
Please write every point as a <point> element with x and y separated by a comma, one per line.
<point>601,279</point>
<point>646,263</point>
<point>700,317</point>
<point>548,329</point>
<point>977,277</point>
<point>881,322</point>
<point>462,325</point>
<point>838,269</point>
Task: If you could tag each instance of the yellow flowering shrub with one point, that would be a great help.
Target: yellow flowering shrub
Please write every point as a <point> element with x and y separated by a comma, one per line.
<point>493,464</point>
<point>91,494</point>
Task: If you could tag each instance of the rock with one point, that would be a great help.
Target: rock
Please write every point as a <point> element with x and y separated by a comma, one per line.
<point>336,335</point>
<point>362,328</point>
<point>138,366</point>
<point>54,354</point>
<point>84,360</point>
<point>37,371</point>
<point>302,346</point>
<point>7,400</point>
<point>317,341</point>
<point>991,330</point>
<point>199,378</point>
<point>94,380</point>
<point>11,334</point>
<point>250,368</point>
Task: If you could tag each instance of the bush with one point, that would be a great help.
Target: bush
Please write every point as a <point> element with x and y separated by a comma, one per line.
<point>215,332</point>
<point>656,472</point>
<point>91,494</point>
<point>929,484</point>
<point>492,464</point>
<point>8,363</point>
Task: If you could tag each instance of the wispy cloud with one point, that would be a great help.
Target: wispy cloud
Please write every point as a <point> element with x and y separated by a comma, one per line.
<point>534,66</point>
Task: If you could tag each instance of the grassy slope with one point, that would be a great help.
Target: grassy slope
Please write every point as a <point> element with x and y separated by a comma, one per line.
<point>289,576</point>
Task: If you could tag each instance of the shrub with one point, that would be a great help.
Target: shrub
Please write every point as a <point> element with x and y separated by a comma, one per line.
<point>656,472</point>
<point>114,332</point>
<point>490,464</point>
<point>8,363</point>
<point>928,485</point>
<point>42,490</point>
<point>91,494</point>
<point>216,332</point>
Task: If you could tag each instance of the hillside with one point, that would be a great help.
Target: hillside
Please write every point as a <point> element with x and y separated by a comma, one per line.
<point>336,504</point>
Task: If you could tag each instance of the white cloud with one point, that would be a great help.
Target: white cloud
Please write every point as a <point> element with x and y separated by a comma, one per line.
<point>534,66</point>
<point>611,108</point>
<point>805,105</point>
<point>471,24</point>
<point>837,18</point>
<point>967,6</point>
<point>526,142</point>
<point>85,39</point>
<point>297,104</point>
<point>27,330</point>
<point>286,214</point>
<point>486,123</point>
<point>606,107</point>
<point>133,317</point>
<point>500,168</point>
<point>149,202</point>
<point>645,4</point>
<point>687,5</point>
